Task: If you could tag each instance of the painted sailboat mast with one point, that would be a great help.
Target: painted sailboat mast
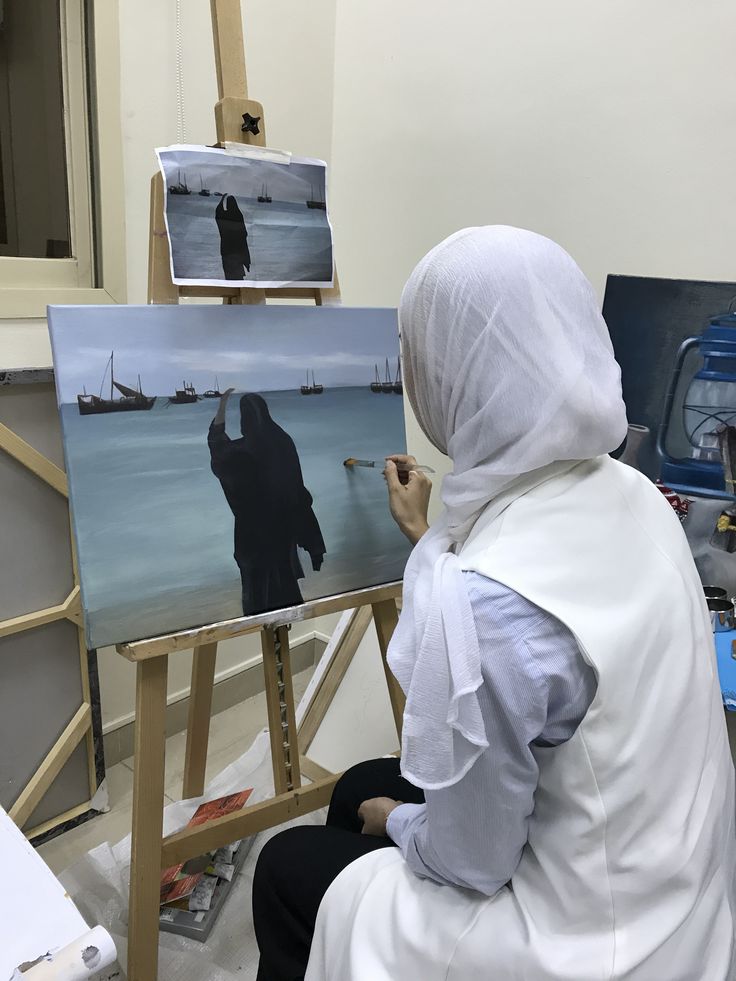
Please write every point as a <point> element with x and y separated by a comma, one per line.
<point>132,399</point>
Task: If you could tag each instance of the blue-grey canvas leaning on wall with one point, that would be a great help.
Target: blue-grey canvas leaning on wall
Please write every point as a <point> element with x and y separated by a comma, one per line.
<point>182,521</point>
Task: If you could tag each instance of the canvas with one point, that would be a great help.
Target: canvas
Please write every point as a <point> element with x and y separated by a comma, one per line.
<point>182,521</point>
<point>648,319</point>
<point>252,217</point>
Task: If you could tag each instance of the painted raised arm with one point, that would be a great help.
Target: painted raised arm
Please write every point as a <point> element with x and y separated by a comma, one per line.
<point>222,407</point>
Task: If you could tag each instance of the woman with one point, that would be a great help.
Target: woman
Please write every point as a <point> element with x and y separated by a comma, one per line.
<point>262,480</point>
<point>563,722</point>
<point>233,238</point>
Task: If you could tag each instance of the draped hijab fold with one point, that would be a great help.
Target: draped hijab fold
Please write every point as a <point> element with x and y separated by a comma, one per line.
<point>510,371</point>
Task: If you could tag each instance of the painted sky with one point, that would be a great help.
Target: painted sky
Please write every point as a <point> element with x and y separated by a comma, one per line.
<point>244,176</point>
<point>249,348</point>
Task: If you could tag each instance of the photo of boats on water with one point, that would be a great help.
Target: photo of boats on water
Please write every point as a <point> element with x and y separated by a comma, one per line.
<point>257,219</point>
<point>206,450</point>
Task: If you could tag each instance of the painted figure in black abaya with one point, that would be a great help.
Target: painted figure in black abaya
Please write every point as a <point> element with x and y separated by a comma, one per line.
<point>262,480</point>
<point>233,238</point>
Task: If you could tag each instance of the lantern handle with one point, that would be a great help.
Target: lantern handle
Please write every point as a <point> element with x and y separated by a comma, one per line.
<point>686,346</point>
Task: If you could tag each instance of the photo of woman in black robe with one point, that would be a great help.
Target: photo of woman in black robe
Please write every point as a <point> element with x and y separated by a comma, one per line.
<point>262,480</point>
<point>233,238</point>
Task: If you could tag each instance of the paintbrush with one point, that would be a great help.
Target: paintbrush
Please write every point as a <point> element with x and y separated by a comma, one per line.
<point>380,464</point>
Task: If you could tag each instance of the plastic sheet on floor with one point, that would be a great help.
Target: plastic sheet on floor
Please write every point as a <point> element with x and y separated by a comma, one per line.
<point>98,883</point>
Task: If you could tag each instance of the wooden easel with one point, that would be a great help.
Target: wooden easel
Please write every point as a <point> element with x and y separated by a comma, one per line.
<point>149,852</point>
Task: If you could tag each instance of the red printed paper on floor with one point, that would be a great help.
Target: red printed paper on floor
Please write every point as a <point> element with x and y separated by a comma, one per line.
<point>170,875</point>
<point>179,888</point>
<point>220,807</point>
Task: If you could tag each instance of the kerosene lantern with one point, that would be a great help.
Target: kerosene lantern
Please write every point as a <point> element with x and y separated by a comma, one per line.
<point>707,407</point>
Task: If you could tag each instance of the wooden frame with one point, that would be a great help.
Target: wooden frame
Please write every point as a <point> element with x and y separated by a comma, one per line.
<point>27,286</point>
<point>80,726</point>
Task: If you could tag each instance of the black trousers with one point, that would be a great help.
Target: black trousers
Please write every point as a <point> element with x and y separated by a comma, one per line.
<point>297,866</point>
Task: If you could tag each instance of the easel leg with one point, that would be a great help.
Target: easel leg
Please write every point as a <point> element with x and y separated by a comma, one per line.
<point>386,616</point>
<point>160,287</point>
<point>198,726</point>
<point>148,805</point>
<point>280,705</point>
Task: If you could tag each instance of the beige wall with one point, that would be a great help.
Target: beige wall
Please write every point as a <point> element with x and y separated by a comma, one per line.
<point>607,125</point>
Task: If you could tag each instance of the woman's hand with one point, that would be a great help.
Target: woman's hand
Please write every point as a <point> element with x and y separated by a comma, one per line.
<point>374,815</point>
<point>408,495</point>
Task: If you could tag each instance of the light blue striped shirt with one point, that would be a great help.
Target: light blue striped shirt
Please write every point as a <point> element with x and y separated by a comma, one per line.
<point>537,690</point>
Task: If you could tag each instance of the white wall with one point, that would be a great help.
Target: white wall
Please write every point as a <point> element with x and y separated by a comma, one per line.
<point>605,124</point>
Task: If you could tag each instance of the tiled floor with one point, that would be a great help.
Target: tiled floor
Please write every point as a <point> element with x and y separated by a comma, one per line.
<point>231,733</point>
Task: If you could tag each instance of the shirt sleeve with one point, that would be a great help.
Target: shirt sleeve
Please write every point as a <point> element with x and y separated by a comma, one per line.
<point>472,834</point>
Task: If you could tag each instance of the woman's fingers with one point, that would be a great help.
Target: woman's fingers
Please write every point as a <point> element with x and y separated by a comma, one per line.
<point>403,460</point>
<point>408,498</point>
<point>391,473</point>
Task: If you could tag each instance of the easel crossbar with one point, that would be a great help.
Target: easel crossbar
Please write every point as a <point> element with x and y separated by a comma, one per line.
<point>143,650</point>
<point>191,842</point>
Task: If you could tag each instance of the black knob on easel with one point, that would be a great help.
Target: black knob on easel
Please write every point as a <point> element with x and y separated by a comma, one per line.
<point>250,124</point>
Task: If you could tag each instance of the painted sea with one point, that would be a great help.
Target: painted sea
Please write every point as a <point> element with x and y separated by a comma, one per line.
<point>287,240</point>
<point>154,531</point>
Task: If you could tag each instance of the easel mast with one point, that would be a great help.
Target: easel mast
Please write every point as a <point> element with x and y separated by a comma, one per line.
<point>232,110</point>
<point>238,119</point>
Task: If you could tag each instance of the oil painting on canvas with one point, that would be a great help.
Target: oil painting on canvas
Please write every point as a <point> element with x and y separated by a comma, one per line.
<point>205,449</point>
<point>648,320</point>
<point>249,218</point>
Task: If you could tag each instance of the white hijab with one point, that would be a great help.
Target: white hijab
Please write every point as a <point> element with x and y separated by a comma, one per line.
<point>510,371</point>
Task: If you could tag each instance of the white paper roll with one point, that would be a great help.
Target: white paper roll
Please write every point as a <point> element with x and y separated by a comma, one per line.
<point>78,961</point>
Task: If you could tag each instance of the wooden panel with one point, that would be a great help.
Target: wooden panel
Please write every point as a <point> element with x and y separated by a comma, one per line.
<point>229,121</point>
<point>185,640</point>
<point>59,819</point>
<point>198,725</point>
<point>148,803</point>
<point>227,35</point>
<point>70,609</point>
<point>194,841</point>
<point>273,708</point>
<point>294,776</point>
<point>24,453</point>
<point>386,617</point>
<point>58,774</point>
<point>160,287</point>
<point>48,771</point>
